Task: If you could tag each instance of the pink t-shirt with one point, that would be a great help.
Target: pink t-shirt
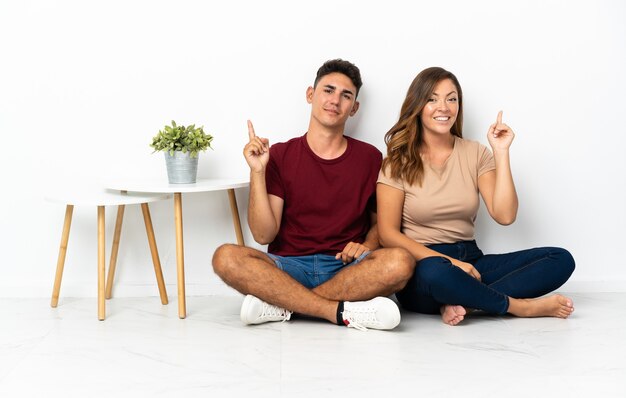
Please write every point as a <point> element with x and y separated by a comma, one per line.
<point>443,209</point>
<point>327,203</point>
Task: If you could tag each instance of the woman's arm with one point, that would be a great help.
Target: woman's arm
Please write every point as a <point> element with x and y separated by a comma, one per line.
<point>390,202</point>
<point>496,187</point>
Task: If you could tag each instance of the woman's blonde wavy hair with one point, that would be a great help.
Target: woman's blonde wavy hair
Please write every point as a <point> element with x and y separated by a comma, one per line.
<point>403,161</point>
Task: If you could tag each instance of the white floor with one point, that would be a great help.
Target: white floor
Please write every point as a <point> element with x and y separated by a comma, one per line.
<point>143,349</point>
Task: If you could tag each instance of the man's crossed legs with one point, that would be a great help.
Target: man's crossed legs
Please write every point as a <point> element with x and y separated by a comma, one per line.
<point>354,296</point>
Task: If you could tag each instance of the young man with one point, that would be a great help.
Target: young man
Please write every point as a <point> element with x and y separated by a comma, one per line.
<point>312,199</point>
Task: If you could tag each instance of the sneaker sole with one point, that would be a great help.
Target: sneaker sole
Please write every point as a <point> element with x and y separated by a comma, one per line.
<point>244,309</point>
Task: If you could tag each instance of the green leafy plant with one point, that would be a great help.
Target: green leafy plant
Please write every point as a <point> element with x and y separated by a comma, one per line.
<point>180,138</point>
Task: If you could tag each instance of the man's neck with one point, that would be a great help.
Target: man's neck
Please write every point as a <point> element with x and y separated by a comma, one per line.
<point>326,143</point>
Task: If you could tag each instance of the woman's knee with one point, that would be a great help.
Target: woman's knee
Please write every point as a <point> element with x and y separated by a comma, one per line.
<point>564,259</point>
<point>434,270</point>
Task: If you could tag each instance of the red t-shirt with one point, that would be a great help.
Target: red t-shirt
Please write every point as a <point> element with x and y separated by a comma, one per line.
<point>327,203</point>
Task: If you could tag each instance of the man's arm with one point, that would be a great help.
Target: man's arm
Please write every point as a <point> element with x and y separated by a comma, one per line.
<point>264,210</point>
<point>371,239</point>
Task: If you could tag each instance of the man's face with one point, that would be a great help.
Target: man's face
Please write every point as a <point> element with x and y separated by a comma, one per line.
<point>333,100</point>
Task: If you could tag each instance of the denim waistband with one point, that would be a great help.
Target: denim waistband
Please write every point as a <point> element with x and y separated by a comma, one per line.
<point>466,251</point>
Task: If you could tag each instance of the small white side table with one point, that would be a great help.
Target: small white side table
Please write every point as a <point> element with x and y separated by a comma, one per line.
<point>201,185</point>
<point>100,198</point>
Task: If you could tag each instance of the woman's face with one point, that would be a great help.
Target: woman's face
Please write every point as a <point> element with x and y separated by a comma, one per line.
<point>439,114</point>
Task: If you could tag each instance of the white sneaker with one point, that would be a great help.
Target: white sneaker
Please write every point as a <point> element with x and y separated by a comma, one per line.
<point>255,311</point>
<point>377,313</point>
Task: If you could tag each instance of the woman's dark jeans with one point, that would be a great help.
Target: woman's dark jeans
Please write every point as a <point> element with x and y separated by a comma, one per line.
<point>523,274</point>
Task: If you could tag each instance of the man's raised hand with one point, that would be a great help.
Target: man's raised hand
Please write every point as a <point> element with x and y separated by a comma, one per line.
<point>256,151</point>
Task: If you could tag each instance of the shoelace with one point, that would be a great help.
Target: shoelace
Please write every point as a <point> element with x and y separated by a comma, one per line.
<point>356,318</point>
<point>274,311</point>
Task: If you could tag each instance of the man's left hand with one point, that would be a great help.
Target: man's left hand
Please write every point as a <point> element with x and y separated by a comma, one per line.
<point>351,252</point>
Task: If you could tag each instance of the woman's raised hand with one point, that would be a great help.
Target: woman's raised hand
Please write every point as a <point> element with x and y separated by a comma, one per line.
<point>500,136</point>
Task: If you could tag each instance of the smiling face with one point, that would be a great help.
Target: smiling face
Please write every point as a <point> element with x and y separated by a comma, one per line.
<point>333,101</point>
<point>441,109</point>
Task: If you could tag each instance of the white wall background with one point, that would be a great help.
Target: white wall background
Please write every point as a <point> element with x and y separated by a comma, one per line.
<point>84,86</point>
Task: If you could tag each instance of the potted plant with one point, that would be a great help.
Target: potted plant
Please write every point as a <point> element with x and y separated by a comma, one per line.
<point>181,146</point>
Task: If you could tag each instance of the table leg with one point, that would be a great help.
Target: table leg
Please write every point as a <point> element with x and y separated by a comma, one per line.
<point>235,214</point>
<point>101,250</point>
<point>114,250</point>
<point>180,255</point>
<point>155,252</point>
<point>65,236</point>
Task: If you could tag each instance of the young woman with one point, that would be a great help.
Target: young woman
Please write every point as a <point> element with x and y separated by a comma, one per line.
<point>427,202</point>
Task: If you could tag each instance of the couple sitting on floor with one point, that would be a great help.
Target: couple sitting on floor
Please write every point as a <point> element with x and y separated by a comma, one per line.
<point>325,203</point>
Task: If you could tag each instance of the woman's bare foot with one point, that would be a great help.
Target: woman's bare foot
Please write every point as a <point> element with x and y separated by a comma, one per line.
<point>452,314</point>
<point>556,305</point>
